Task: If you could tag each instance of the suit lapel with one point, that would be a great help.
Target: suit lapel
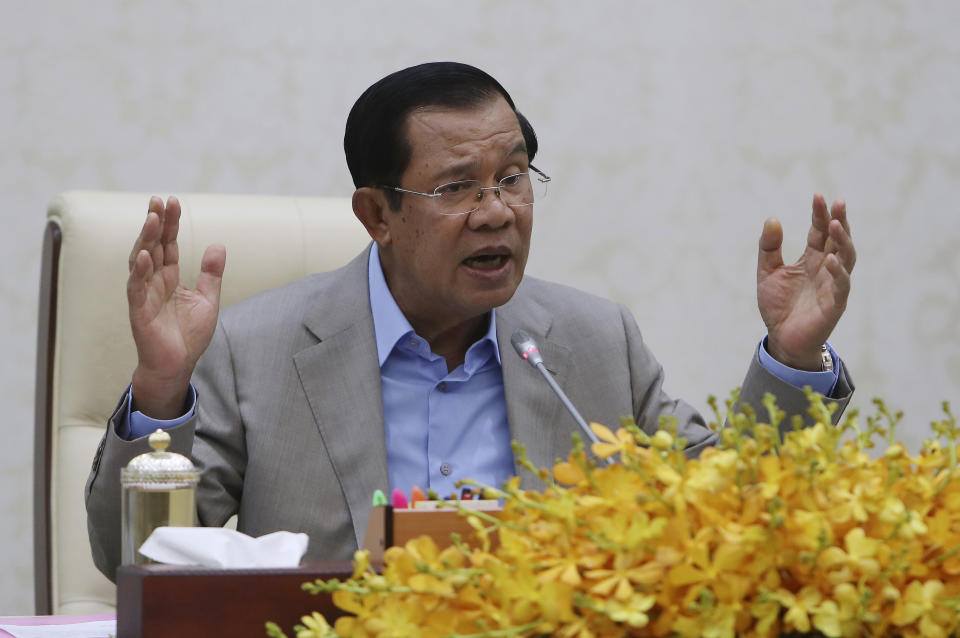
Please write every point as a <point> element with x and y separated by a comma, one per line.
<point>341,378</point>
<point>534,411</point>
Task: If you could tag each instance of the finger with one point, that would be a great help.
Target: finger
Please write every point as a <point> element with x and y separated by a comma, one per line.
<point>171,227</point>
<point>842,245</point>
<point>820,219</point>
<point>148,237</point>
<point>155,205</point>
<point>211,273</point>
<point>841,281</point>
<point>838,211</point>
<point>140,271</point>
<point>156,246</point>
<point>156,254</point>
<point>771,241</point>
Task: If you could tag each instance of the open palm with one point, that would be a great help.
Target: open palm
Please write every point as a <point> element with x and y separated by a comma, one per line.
<point>172,325</point>
<point>801,303</point>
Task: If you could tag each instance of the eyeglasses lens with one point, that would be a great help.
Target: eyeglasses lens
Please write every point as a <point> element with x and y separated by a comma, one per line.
<point>521,189</point>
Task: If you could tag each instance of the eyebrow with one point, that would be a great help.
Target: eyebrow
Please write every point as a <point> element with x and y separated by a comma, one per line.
<point>459,170</point>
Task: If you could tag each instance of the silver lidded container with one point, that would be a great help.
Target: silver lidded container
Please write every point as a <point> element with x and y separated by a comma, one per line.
<point>159,490</point>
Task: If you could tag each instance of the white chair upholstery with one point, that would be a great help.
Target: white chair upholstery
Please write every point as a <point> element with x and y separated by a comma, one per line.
<point>86,354</point>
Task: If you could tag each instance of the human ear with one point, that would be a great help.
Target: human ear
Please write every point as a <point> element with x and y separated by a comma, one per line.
<point>370,206</point>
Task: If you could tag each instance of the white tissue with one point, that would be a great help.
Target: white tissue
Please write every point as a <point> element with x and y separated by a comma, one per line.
<point>224,548</point>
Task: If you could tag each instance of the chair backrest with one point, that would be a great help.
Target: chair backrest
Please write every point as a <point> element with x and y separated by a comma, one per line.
<point>85,352</point>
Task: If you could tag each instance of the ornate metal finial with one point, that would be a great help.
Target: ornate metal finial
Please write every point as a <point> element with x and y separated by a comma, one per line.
<point>159,440</point>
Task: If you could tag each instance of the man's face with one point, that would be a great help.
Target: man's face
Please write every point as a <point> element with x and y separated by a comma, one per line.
<point>444,270</point>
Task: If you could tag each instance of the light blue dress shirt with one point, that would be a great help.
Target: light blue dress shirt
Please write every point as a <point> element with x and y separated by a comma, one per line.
<point>822,382</point>
<point>439,426</point>
<point>443,426</point>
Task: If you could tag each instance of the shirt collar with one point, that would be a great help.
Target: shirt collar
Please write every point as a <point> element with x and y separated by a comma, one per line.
<point>389,323</point>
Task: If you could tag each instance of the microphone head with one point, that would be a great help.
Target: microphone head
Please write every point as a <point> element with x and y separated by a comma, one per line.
<point>526,347</point>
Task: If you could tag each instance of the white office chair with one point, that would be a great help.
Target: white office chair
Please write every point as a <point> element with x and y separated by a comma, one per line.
<point>85,352</point>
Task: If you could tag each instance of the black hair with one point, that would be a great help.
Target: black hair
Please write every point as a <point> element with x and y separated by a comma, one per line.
<point>374,142</point>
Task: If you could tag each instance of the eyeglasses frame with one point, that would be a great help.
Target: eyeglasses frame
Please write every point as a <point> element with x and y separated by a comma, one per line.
<point>543,178</point>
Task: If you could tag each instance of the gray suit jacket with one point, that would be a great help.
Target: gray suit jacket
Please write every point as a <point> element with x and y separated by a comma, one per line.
<point>289,428</point>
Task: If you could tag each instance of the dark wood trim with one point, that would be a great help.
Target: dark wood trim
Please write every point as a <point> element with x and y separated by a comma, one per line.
<point>43,417</point>
<point>158,601</point>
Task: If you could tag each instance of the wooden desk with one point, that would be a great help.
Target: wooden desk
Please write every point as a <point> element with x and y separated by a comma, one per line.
<point>159,601</point>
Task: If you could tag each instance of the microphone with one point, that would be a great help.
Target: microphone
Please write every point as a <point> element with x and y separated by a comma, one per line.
<point>527,348</point>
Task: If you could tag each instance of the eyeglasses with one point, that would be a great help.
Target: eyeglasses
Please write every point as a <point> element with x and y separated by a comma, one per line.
<point>465,196</point>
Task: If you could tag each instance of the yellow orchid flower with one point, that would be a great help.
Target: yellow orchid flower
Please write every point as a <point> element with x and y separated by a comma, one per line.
<point>569,473</point>
<point>800,607</point>
<point>918,600</point>
<point>631,611</point>
<point>622,442</point>
<point>757,537</point>
<point>315,626</point>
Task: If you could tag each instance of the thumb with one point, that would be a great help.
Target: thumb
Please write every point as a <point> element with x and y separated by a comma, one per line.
<point>211,272</point>
<point>771,240</point>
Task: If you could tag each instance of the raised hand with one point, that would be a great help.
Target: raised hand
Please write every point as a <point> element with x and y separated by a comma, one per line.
<point>172,325</point>
<point>801,303</point>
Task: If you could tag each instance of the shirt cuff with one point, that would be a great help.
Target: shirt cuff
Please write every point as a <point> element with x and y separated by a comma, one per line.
<point>822,382</point>
<point>137,424</point>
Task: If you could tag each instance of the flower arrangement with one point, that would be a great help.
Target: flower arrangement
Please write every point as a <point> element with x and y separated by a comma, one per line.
<point>762,535</point>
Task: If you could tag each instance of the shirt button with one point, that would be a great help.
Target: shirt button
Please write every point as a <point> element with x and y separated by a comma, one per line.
<point>442,386</point>
<point>412,343</point>
<point>445,469</point>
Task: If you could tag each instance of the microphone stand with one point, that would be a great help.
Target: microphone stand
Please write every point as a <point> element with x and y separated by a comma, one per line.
<point>527,348</point>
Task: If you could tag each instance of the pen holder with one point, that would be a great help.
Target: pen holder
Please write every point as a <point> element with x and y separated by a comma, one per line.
<point>388,526</point>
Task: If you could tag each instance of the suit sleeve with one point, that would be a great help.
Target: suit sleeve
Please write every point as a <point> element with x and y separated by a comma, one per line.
<point>651,403</point>
<point>790,399</point>
<point>213,439</point>
<point>102,493</point>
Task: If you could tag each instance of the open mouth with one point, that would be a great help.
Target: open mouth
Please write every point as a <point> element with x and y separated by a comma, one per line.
<point>486,262</point>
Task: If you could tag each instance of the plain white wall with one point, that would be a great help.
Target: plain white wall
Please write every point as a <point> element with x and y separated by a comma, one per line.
<point>671,130</point>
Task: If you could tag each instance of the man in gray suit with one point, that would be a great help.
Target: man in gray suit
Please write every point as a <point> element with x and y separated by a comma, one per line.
<point>395,370</point>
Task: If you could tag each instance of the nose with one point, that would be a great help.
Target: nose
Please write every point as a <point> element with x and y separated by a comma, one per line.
<point>492,212</point>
